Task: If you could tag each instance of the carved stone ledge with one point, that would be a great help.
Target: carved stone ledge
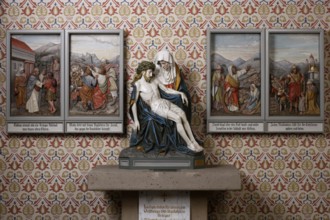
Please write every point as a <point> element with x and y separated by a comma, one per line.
<point>215,178</point>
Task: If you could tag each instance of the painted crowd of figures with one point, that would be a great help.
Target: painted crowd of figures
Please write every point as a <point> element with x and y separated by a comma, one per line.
<point>93,88</point>
<point>295,94</point>
<point>30,91</point>
<point>292,93</point>
<point>225,91</point>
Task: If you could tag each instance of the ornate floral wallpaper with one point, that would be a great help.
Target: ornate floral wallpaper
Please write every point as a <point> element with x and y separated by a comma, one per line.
<point>284,176</point>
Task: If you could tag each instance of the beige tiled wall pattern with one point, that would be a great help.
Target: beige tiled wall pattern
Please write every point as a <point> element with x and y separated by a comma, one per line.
<point>284,176</point>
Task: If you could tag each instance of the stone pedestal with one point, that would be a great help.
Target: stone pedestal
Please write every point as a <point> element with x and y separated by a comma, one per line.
<point>131,158</point>
<point>197,181</point>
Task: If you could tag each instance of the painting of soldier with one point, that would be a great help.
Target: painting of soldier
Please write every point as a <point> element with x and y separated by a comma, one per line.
<point>294,76</point>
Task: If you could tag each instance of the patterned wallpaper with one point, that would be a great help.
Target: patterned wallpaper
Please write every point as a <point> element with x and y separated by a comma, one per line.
<point>284,176</point>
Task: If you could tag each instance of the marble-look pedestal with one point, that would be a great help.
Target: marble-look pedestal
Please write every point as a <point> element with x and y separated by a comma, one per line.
<point>197,181</point>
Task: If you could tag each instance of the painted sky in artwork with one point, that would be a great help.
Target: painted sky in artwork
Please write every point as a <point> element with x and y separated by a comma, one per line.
<point>103,46</point>
<point>36,41</point>
<point>233,46</point>
<point>295,48</point>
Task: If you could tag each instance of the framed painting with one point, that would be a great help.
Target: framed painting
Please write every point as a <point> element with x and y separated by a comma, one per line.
<point>94,81</point>
<point>295,76</point>
<point>235,76</point>
<point>35,83</point>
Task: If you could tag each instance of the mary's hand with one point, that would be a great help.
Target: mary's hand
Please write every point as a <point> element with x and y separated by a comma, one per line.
<point>137,125</point>
<point>184,99</point>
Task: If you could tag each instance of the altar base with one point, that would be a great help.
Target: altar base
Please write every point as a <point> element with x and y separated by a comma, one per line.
<point>198,181</point>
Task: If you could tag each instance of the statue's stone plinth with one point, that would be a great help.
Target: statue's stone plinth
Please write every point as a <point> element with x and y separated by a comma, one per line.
<point>133,158</point>
<point>211,178</point>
